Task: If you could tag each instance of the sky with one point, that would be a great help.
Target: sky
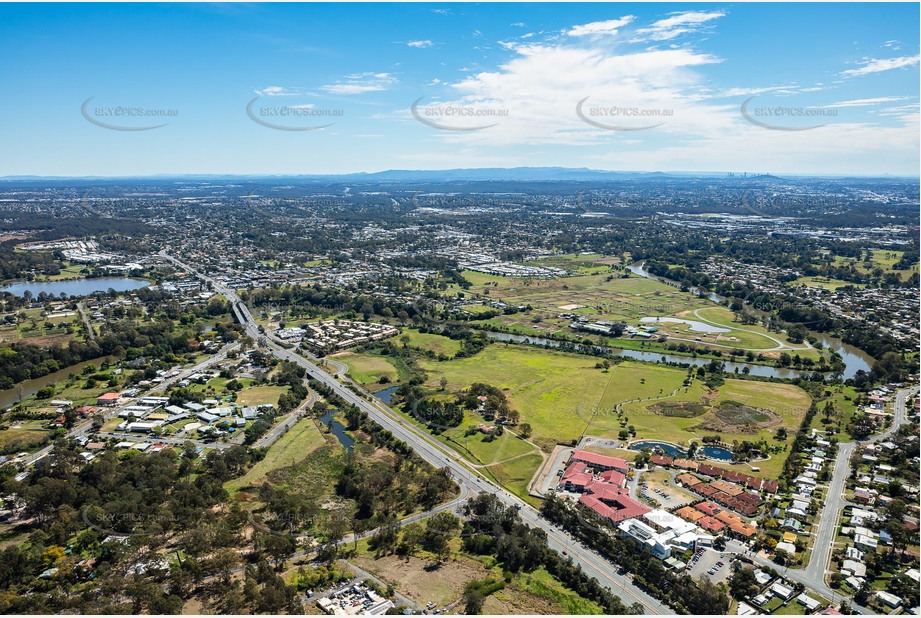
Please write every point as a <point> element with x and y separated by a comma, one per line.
<point>146,89</point>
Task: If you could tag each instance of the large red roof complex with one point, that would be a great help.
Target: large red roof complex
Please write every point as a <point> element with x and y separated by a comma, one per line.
<point>602,462</point>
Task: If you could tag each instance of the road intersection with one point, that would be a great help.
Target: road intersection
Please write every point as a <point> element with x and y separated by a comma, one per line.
<point>437,455</point>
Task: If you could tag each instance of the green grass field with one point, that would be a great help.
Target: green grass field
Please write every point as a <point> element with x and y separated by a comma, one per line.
<point>516,474</point>
<point>500,449</point>
<point>608,296</point>
<point>367,368</point>
<point>256,395</point>
<point>825,283</point>
<point>434,343</point>
<point>842,397</point>
<point>564,397</point>
<point>882,259</point>
<point>12,440</point>
<point>299,442</point>
<point>748,337</point>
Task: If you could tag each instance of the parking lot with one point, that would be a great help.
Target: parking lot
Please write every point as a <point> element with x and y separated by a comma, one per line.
<point>653,487</point>
<point>707,562</point>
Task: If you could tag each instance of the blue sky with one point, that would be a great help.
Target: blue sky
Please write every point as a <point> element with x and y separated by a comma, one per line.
<point>830,88</point>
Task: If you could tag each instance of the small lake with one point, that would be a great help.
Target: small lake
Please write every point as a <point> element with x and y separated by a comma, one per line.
<point>854,358</point>
<point>338,430</point>
<point>77,287</point>
<point>716,452</point>
<point>387,394</point>
<point>669,449</point>
<point>697,327</point>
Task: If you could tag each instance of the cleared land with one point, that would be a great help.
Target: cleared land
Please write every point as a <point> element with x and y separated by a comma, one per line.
<point>299,442</point>
<point>884,260</point>
<point>256,395</point>
<point>423,579</point>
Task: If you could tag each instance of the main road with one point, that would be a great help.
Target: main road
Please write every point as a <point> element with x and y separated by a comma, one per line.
<point>438,456</point>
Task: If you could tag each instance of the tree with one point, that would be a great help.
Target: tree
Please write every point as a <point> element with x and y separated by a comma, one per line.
<point>443,382</point>
<point>525,430</point>
<point>473,602</point>
<point>412,537</point>
<point>743,584</point>
<point>438,532</point>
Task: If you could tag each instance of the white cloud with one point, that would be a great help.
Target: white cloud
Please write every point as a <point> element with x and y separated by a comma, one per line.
<point>420,44</point>
<point>541,84</point>
<point>601,28</point>
<point>360,83</point>
<point>678,24</point>
<point>278,91</point>
<point>878,65</point>
<point>906,113</point>
<point>749,92</point>
<point>865,102</point>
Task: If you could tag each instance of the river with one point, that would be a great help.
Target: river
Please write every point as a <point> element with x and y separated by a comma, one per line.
<point>854,359</point>
<point>10,397</point>
<point>763,371</point>
<point>76,287</point>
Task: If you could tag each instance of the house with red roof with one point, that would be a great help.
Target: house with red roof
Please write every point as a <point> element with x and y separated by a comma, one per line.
<point>108,399</point>
<point>708,508</point>
<point>710,524</point>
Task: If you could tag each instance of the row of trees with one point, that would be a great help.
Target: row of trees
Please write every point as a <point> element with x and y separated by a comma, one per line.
<point>679,591</point>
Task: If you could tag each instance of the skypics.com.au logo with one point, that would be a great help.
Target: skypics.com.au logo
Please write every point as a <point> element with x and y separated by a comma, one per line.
<point>457,117</point>
<point>125,117</point>
<point>298,117</point>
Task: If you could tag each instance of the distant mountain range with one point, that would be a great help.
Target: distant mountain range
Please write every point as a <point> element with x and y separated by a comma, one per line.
<point>510,174</point>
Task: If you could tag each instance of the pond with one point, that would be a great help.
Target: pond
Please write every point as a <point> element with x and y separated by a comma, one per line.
<point>697,327</point>
<point>854,358</point>
<point>716,452</point>
<point>77,287</point>
<point>338,430</point>
<point>669,449</point>
<point>387,394</point>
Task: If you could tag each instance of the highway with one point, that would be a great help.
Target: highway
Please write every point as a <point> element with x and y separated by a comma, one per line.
<point>439,456</point>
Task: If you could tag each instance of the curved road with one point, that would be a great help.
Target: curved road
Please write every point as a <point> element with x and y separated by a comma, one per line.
<point>437,455</point>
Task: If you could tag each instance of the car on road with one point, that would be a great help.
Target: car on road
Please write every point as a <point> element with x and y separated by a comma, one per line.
<point>565,553</point>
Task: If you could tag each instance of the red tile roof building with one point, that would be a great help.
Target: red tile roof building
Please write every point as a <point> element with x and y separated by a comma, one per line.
<point>605,493</point>
<point>600,462</point>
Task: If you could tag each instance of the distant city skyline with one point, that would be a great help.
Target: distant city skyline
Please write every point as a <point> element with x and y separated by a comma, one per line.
<point>278,89</point>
